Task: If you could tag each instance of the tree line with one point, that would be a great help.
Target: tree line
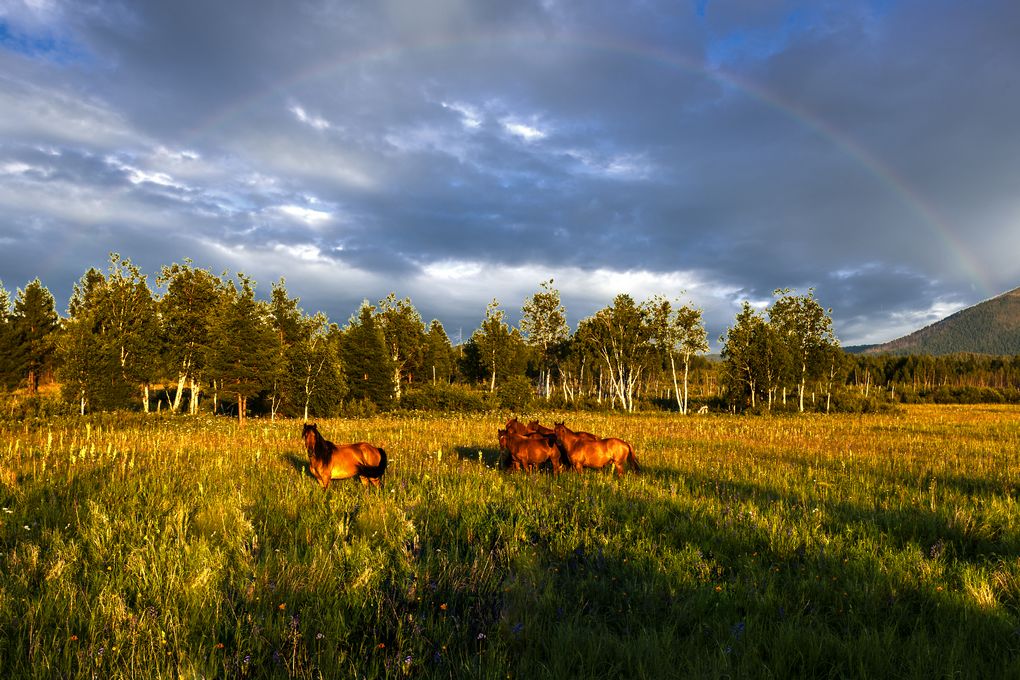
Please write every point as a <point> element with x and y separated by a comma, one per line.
<point>206,343</point>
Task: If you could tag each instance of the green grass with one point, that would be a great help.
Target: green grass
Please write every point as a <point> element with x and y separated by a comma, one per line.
<point>882,546</point>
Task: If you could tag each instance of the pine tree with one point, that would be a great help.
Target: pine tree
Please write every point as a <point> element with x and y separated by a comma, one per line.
<point>8,375</point>
<point>367,359</point>
<point>88,368</point>
<point>440,360</point>
<point>243,345</point>
<point>33,326</point>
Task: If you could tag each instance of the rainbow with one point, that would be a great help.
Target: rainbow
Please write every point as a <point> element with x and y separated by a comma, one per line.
<point>872,164</point>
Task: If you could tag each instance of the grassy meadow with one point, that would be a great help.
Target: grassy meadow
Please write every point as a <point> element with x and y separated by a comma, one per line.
<point>752,547</point>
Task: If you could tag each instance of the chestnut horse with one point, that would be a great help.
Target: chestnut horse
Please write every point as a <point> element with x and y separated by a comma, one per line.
<point>328,461</point>
<point>595,453</point>
<point>514,426</point>
<point>530,451</point>
<point>535,426</point>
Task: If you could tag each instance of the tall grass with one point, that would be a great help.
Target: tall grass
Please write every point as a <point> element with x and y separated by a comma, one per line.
<point>844,546</point>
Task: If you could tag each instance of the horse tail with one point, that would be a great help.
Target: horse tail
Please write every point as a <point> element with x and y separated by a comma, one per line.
<point>374,471</point>
<point>632,458</point>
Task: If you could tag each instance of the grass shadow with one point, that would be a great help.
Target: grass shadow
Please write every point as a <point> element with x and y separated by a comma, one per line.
<point>490,456</point>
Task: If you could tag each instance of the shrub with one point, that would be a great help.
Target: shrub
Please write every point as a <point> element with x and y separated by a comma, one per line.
<point>515,394</point>
<point>443,397</point>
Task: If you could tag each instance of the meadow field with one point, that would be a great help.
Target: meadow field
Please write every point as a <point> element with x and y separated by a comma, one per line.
<point>752,547</point>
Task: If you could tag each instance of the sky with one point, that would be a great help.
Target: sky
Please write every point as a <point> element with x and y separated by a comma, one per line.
<point>456,151</point>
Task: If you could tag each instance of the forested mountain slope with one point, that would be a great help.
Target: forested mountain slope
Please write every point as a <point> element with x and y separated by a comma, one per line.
<point>990,327</point>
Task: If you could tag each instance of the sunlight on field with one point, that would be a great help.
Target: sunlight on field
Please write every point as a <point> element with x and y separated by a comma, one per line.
<point>753,547</point>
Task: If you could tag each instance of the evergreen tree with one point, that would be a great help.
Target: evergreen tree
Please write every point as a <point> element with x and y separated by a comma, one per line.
<point>286,370</point>
<point>243,345</point>
<point>89,372</point>
<point>544,327</point>
<point>8,375</point>
<point>440,360</point>
<point>367,360</point>
<point>33,327</point>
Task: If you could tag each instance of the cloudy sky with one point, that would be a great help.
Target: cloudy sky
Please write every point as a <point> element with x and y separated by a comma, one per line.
<point>459,150</point>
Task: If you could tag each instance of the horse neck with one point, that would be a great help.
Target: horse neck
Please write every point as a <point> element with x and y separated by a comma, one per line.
<point>319,448</point>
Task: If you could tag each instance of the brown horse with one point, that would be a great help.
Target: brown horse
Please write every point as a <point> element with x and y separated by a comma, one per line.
<point>595,453</point>
<point>514,426</point>
<point>587,436</point>
<point>530,451</point>
<point>535,426</point>
<point>328,461</point>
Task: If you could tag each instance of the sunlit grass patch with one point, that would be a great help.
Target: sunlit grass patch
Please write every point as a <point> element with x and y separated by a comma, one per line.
<point>752,547</point>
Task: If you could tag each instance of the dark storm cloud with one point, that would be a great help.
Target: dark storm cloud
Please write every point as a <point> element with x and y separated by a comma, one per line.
<point>457,150</point>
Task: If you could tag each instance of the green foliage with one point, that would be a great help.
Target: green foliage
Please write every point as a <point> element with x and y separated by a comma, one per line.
<point>440,361</point>
<point>406,342</point>
<point>620,337</point>
<point>187,310</point>
<point>495,350</point>
<point>444,397</point>
<point>243,354</point>
<point>991,327</point>
<point>33,326</point>
<point>516,394</point>
<point>367,361</point>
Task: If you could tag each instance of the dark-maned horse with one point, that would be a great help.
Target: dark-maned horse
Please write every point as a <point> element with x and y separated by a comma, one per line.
<point>535,426</point>
<point>595,453</point>
<point>588,436</point>
<point>329,461</point>
<point>530,451</point>
<point>514,426</point>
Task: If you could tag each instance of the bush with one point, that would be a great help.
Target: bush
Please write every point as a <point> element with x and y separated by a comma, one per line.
<point>23,407</point>
<point>853,401</point>
<point>516,394</point>
<point>443,397</point>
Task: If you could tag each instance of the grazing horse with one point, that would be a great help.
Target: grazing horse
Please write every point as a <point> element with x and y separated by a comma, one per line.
<point>595,453</point>
<point>328,461</point>
<point>530,451</point>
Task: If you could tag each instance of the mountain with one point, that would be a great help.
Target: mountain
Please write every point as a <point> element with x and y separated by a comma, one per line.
<point>989,327</point>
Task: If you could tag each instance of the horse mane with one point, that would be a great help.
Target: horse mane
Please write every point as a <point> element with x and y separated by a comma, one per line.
<point>321,448</point>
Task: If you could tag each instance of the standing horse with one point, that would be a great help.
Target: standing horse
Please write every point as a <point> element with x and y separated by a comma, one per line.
<point>514,426</point>
<point>535,426</point>
<point>328,461</point>
<point>595,453</point>
<point>530,451</point>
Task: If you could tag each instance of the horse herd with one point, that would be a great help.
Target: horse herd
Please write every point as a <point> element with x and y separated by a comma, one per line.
<point>525,447</point>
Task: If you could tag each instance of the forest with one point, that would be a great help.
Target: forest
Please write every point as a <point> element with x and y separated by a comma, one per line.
<point>206,343</point>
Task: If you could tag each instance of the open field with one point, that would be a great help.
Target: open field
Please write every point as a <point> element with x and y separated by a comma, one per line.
<point>842,546</point>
